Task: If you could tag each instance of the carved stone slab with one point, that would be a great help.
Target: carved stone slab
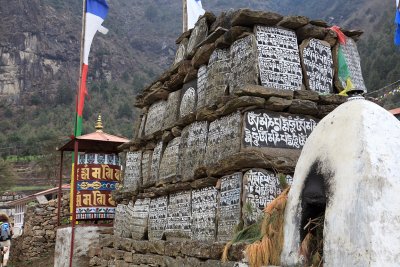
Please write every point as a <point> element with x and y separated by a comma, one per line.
<point>352,58</point>
<point>223,138</point>
<point>194,143</point>
<point>199,34</point>
<point>157,217</point>
<point>140,218</point>
<point>155,162</point>
<point>230,208</point>
<point>133,173</point>
<point>317,62</point>
<point>179,215</point>
<point>202,74</point>
<point>278,58</point>
<point>204,207</point>
<point>171,111</point>
<point>146,167</point>
<point>123,220</point>
<point>189,99</point>
<point>260,188</point>
<point>181,52</point>
<point>244,66</point>
<point>267,129</point>
<point>169,167</point>
<point>140,132</point>
<point>218,75</point>
<point>155,117</point>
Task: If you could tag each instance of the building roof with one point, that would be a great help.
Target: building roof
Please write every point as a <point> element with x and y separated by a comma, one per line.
<point>395,111</point>
<point>65,187</point>
<point>97,141</point>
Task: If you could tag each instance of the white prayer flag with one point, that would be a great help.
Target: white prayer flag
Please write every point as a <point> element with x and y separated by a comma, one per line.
<point>194,11</point>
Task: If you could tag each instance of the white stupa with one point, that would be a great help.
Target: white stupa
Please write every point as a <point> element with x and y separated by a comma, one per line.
<point>351,162</point>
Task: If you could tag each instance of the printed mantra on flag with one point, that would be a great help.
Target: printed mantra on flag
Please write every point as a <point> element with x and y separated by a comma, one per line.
<point>279,131</point>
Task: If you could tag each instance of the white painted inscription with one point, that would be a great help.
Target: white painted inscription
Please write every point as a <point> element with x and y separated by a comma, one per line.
<point>278,58</point>
<point>204,207</point>
<point>273,130</point>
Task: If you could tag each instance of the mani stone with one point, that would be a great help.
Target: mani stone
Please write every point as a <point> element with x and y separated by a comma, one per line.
<point>123,220</point>
<point>171,111</point>
<point>146,167</point>
<point>317,62</point>
<point>133,173</point>
<point>278,58</point>
<point>155,117</point>
<point>224,137</point>
<point>140,132</point>
<point>157,217</point>
<point>218,76</point>
<point>179,216</point>
<point>262,128</point>
<point>199,34</point>
<point>352,58</point>
<point>230,210</point>
<point>194,143</point>
<point>139,222</point>
<point>189,99</point>
<point>181,52</point>
<point>155,162</point>
<point>169,167</point>
<point>204,207</point>
<point>201,86</point>
<point>260,188</point>
<point>244,67</point>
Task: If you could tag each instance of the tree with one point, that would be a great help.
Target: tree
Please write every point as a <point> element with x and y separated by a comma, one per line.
<point>7,176</point>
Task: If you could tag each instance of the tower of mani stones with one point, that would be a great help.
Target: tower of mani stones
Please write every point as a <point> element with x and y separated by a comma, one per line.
<point>221,130</point>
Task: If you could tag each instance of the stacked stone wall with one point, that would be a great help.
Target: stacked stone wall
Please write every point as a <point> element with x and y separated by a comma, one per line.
<point>220,135</point>
<point>38,239</point>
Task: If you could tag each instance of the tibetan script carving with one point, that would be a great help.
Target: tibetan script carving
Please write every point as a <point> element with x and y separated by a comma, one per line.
<point>229,206</point>
<point>155,162</point>
<point>155,117</point>
<point>171,112</point>
<point>204,207</point>
<point>318,65</point>
<point>140,218</point>
<point>194,143</point>
<point>262,129</point>
<point>218,75</point>
<point>201,86</point>
<point>179,215</point>
<point>123,220</point>
<point>244,67</point>
<point>260,188</point>
<point>157,217</point>
<point>189,99</point>
<point>146,165</point>
<point>278,58</point>
<point>352,59</point>
<point>133,170</point>
<point>169,167</point>
<point>223,138</point>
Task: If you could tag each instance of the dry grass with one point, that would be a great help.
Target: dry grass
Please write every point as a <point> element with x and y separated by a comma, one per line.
<point>266,237</point>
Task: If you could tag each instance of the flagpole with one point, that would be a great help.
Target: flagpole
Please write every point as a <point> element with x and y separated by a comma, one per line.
<point>185,15</point>
<point>76,149</point>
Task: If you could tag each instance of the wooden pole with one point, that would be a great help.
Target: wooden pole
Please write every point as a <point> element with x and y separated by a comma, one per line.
<point>73,189</point>
<point>60,190</point>
<point>185,15</point>
<point>73,186</point>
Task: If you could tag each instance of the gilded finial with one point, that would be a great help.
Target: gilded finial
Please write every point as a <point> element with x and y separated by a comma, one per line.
<point>99,124</point>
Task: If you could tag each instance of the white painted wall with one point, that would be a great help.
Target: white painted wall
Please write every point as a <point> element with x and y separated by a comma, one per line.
<point>359,144</point>
<point>85,237</point>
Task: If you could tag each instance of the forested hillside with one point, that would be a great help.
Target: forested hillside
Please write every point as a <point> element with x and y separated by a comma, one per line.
<point>40,40</point>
